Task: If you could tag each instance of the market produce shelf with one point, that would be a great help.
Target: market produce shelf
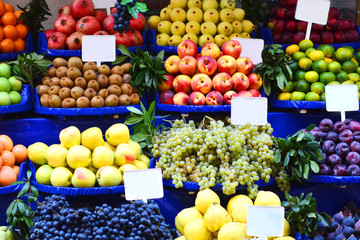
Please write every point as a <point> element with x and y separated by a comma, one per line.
<point>29,48</point>
<point>339,180</point>
<point>23,106</point>
<point>298,105</point>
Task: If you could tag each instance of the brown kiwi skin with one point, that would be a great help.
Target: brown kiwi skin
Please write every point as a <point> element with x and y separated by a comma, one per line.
<point>66,82</point>
<point>77,92</point>
<point>104,69</point>
<point>68,103</point>
<point>114,89</point>
<point>103,93</point>
<point>124,100</point>
<point>111,101</point>
<point>103,81</point>
<point>46,81</point>
<point>75,62</point>
<point>134,99</point>
<point>55,81</point>
<point>54,90</point>
<point>117,70</point>
<point>51,72</point>
<point>90,93</point>
<point>97,101</point>
<point>65,92</point>
<point>44,100</point>
<point>42,89</point>
<point>82,102</point>
<point>89,75</point>
<point>55,101</point>
<point>81,82</point>
<point>115,79</point>
<point>73,73</point>
<point>61,72</point>
<point>126,78</point>
<point>59,62</point>
<point>90,65</point>
<point>93,84</point>
<point>126,89</point>
<point>126,67</point>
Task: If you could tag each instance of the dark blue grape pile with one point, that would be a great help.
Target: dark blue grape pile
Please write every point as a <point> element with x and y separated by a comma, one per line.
<point>122,16</point>
<point>56,220</point>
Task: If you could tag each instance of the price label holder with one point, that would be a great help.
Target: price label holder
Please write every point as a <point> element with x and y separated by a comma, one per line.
<point>264,221</point>
<point>143,184</point>
<point>98,48</point>
<point>251,48</point>
<point>342,98</point>
<point>249,110</point>
<point>312,11</point>
<point>104,4</point>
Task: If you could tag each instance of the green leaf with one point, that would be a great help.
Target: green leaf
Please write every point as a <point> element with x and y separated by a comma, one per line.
<point>120,60</point>
<point>139,137</point>
<point>134,110</point>
<point>311,127</point>
<point>286,159</point>
<point>306,172</point>
<point>300,137</point>
<point>124,50</point>
<point>314,166</point>
<point>141,6</point>
<point>133,120</point>
<point>24,190</point>
<point>277,156</point>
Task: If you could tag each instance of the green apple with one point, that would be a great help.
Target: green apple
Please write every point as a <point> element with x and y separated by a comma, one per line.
<point>61,177</point>
<point>78,156</point>
<point>37,153</point>
<point>117,134</point>
<point>43,174</point>
<point>83,178</point>
<point>108,176</point>
<point>5,85</point>
<point>16,85</point>
<point>5,99</point>
<point>102,156</point>
<point>56,155</point>
<point>124,153</point>
<point>15,97</point>
<point>6,234</point>
<point>70,136</point>
<point>5,70</point>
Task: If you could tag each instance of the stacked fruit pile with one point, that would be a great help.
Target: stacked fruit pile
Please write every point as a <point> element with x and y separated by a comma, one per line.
<point>210,77</point>
<point>10,87</point>
<point>200,21</point>
<point>137,220</point>
<point>81,19</point>
<point>286,29</point>
<point>313,69</point>
<point>340,143</point>
<point>94,161</point>
<point>73,83</point>
<point>209,220</point>
<point>10,159</point>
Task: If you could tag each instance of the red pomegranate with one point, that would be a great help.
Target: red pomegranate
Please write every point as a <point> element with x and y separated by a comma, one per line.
<point>113,10</point>
<point>108,24</point>
<point>100,15</point>
<point>135,38</point>
<point>122,38</point>
<point>137,23</point>
<point>74,41</point>
<point>88,25</point>
<point>82,8</point>
<point>57,40</point>
<point>49,32</point>
<point>102,32</point>
<point>65,10</point>
<point>65,24</point>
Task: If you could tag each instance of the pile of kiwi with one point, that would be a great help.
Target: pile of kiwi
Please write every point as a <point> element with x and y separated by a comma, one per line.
<point>72,83</point>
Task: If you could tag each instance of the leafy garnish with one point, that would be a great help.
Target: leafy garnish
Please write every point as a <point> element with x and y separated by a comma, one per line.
<point>136,8</point>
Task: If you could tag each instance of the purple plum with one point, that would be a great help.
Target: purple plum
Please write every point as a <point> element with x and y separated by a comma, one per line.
<point>324,157</point>
<point>355,146</point>
<point>357,226</point>
<point>326,125</point>
<point>346,136</point>
<point>317,133</point>
<point>339,170</point>
<point>356,136</point>
<point>324,169</point>
<point>333,136</point>
<point>353,158</point>
<point>353,170</point>
<point>334,159</point>
<point>328,147</point>
<point>354,126</point>
<point>331,236</point>
<point>348,121</point>
<point>339,217</point>
<point>342,149</point>
<point>339,126</point>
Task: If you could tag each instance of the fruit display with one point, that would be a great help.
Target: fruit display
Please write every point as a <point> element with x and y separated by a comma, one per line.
<point>285,29</point>
<point>10,159</point>
<point>84,159</point>
<point>313,69</point>
<point>10,86</point>
<point>137,220</point>
<point>72,83</point>
<point>209,220</point>
<point>201,21</point>
<point>80,18</point>
<point>6,234</point>
<point>211,77</point>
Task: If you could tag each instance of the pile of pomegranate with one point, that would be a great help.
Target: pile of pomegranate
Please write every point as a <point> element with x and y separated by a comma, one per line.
<point>80,18</point>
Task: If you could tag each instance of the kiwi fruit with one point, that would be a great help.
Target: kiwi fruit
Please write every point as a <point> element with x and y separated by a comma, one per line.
<point>81,82</point>
<point>134,99</point>
<point>90,93</point>
<point>82,102</point>
<point>44,100</point>
<point>75,62</point>
<point>61,72</point>
<point>73,73</point>
<point>124,100</point>
<point>111,101</point>
<point>42,89</point>
<point>60,62</point>
<point>93,84</point>
<point>55,101</point>
<point>65,92</point>
<point>103,93</point>
<point>126,78</point>
<point>104,69</point>
<point>45,81</point>
<point>114,89</point>
<point>126,67</point>
<point>126,89</point>
<point>55,81</point>
<point>54,90</point>
<point>117,70</point>
<point>51,72</point>
<point>97,102</point>
<point>89,75</point>
<point>115,79</point>
<point>90,65</point>
<point>66,82</point>
<point>77,92</point>
<point>103,81</point>
<point>68,103</point>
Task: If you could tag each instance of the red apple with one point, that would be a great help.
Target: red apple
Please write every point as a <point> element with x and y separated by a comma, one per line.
<point>291,3</point>
<point>207,65</point>
<point>277,37</point>
<point>290,14</point>
<point>298,37</point>
<point>346,25</point>
<point>172,64</point>
<point>349,37</point>
<point>240,81</point>
<point>197,56</point>
<point>315,37</point>
<point>226,64</point>
<point>290,26</point>
<point>302,26</point>
<point>244,65</point>
<point>332,24</point>
<point>196,98</point>
<point>281,13</point>
<point>317,28</point>
<point>339,37</point>
<point>280,25</point>
<point>182,83</point>
<point>244,94</point>
<point>166,84</point>
<point>271,24</point>
<point>327,37</point>
<point>214,98</point>
<point>167,96</point>
<point>255,81</point>
<point>187,65</point>
<point>282,3</point>
<point>232,48</point>
<point>222,82</point>
<point>187,48</point>
<point>287,37</point>
<point>334,13</point>
<point>273,12</point>
<point>181,98</point>
<point>355,35</point>
<point>201,83</point>
<point>254,92</point>
<point>211,49</point>
<point>228,96</point>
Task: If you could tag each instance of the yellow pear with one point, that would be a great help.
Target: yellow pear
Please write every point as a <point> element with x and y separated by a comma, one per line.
<point>36,153</point>
<point>165,14</point>
<point>204,199</point>
<point>240,199</point>
<point>227,4</point>
<point>194,3</point>
<point>231,231</point>
<point>92,137</point>
<point>267,198</point>
<point>208,4</point>
<point>78,156</point>
<point>178,3</point>
<point>70,136</point>
<point>185,216</point>
<point>162,39</point>
<point>153,22</point>
<point>56,155</point>
<point>196,230</point>
<point>239,14</point>
<point>117,134</point>
<point>247,26</point>
<point>215,217</point>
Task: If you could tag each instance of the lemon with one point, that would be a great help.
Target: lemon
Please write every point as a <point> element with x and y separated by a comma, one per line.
<point>205,198</point>
<point>215,217</point>
<point>267,198</point>
<point>196,230</point>
<point>284,96</point>
<point>185,216</point>
<point>231,231</point>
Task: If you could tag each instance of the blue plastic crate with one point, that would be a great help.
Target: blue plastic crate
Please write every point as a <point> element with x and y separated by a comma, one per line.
<point>23,106</point>
<point>298,105</point>
<point>29,48</point>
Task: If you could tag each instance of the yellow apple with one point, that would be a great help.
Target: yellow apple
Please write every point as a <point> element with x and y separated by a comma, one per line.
<point>92,137</point>
<point>43,174</point>
<point>124,153</point>
<point>108,176</point>
<point>117,134</point>
<point>56,155</point>
<point>102,156</point>
<point>37,153</point>
<point>78,156</point>
<point>70,136</point>
<point>83,178</point>
<point>61,177</point>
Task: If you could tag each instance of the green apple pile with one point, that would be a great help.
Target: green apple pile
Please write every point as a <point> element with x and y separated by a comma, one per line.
<point>10,87</point>
<point>201,21</point>
<point>313,69</point>
<point>6,233</point>
<point>85,159</point>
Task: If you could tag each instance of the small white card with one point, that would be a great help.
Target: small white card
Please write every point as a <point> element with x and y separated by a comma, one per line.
<point>104,4</point>
<point>249,110</point>
<point>264,221</point>
<point>98,48</point>
<point>251,48</point>
<point>143,184</point>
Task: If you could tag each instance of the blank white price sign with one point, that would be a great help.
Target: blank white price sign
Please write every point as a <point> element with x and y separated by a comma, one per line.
<point>251,48</point>
<point>342,98</point>
<point>98,48</point>
<point>264,221</point>
<point>312,11</point>
<point>143,184</point>
<point>249,110</point>
<point>104,4</point>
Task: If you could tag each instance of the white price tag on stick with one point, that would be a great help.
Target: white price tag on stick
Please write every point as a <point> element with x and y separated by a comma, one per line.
<point>264,221</point>
<point>251,48</point>
<point>249,110</point>
<point>312,11</point>
<point>143,184</point>
<point>104,4</point>
<point>98,48</point>
<point>342,98</point>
